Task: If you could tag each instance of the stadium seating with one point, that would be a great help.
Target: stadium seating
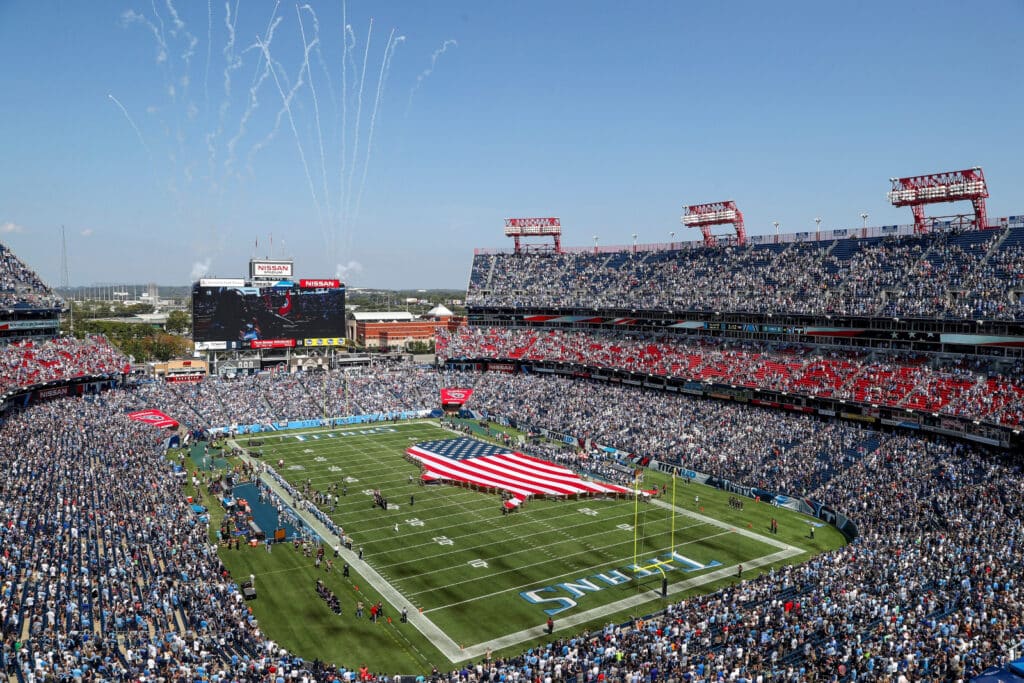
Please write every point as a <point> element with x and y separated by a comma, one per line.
<point>888,379</point>
<point>974,275</point>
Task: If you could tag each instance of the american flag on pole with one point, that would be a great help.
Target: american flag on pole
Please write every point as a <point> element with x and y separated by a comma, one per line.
<point>469,461</point>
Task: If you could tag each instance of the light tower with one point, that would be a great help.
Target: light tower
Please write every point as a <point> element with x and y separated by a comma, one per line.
<point>534,227</point>
<point>948,186</point>
<point>704,216</point>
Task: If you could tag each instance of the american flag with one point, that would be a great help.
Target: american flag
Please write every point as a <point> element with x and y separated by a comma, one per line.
<point>470,461</point>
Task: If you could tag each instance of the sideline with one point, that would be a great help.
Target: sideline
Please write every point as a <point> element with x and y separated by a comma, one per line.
<point>448,647</point>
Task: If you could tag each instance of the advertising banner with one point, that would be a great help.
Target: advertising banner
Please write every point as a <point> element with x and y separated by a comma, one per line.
<point>455,396</point>
<point>319,284</point>
<point>154,417</point>
<point>273,343</point>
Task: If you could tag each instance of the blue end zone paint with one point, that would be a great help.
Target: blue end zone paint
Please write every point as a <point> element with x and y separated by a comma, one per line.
<point>565,594</point>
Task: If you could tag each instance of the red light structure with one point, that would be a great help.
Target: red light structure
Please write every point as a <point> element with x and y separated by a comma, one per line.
<point>517,228</point>
<point>704,216</point>
<point>949,186</point>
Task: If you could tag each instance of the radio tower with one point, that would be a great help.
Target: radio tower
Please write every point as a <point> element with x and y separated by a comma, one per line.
<point>65,283</point>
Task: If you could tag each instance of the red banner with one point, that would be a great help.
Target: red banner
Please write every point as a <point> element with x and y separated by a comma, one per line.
<point>185,378</point>
<point>455,396</point>
<point>154,417</point>
<point>319,284</point>
<point>273,343</point>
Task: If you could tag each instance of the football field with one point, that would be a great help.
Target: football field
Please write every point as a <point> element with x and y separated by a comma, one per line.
<point>483,580</point>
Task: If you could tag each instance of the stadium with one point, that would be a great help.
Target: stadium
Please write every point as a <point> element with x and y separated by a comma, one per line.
<point>784,457</point>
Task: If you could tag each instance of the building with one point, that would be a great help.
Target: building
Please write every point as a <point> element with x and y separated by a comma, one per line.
<point>398,329</point>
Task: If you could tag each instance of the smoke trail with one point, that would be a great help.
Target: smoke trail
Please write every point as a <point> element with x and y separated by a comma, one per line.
<point>179,26</point>
<point>132,122</point>
<point>257,81</point>
<point>200,269</point>
<point>232,62</point>
<point>345,272</point>
<point>209,52</point>
<point>429,70</point>
<point>133,17</point>
<point>320,56</point>
<point>346,49</point>
<point>385,67</point>
<point>355,134</point>
<point>286,99</point>
<point>292,90</point>
<point>316,108</point>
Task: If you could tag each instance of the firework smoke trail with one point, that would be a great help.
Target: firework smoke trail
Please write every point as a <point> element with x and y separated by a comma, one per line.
<point>346,49</point>
<point>385,67</point>
<point>179,26</point>
<point>132,17</point>
<point>257,81</point>
<point>162,37</point>
<point>355,134</point>
<point>429,70</point>
<point>320,55</point>
<point>292,90</point>
<point>209,52</point>
<point>132,123</point>
<point>316,109</point>
<point>231,61</point>
<point>286,99</point>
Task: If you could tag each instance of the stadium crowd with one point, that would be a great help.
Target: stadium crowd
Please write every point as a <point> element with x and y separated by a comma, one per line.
<point>108,574</point>
<point>21,286</point>
<point>93,587</point>
<point>983,389</point>
<point>972,274</point>
<point>27,363</point>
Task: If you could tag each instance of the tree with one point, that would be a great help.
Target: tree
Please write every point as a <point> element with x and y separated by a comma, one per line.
<point>178,322</point>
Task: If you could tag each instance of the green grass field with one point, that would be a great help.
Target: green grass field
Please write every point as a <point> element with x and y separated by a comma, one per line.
<point>485,579</point>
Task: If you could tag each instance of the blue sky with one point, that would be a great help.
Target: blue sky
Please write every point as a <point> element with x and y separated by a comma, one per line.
<point>611,116</point>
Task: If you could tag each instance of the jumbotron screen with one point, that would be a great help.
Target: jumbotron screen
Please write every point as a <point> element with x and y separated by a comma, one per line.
<point>268,317</point>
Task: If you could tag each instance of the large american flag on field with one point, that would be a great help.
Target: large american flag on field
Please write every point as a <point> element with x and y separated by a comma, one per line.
<point>470,461</point>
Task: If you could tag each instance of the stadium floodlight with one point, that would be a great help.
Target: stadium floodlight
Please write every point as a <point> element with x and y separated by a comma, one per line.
<point>517,228</point>
<point>704,216</point>
<point>817,223</point>
<point>948,186</point>
<point>595,244</point>
<point>776,224</point>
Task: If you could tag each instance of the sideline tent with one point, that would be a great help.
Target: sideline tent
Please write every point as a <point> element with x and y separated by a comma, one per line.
<point>1013,673</point>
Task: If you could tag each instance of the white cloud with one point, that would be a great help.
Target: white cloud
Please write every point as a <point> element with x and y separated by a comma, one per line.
<point>11,227</point>
<point>87,232</point>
